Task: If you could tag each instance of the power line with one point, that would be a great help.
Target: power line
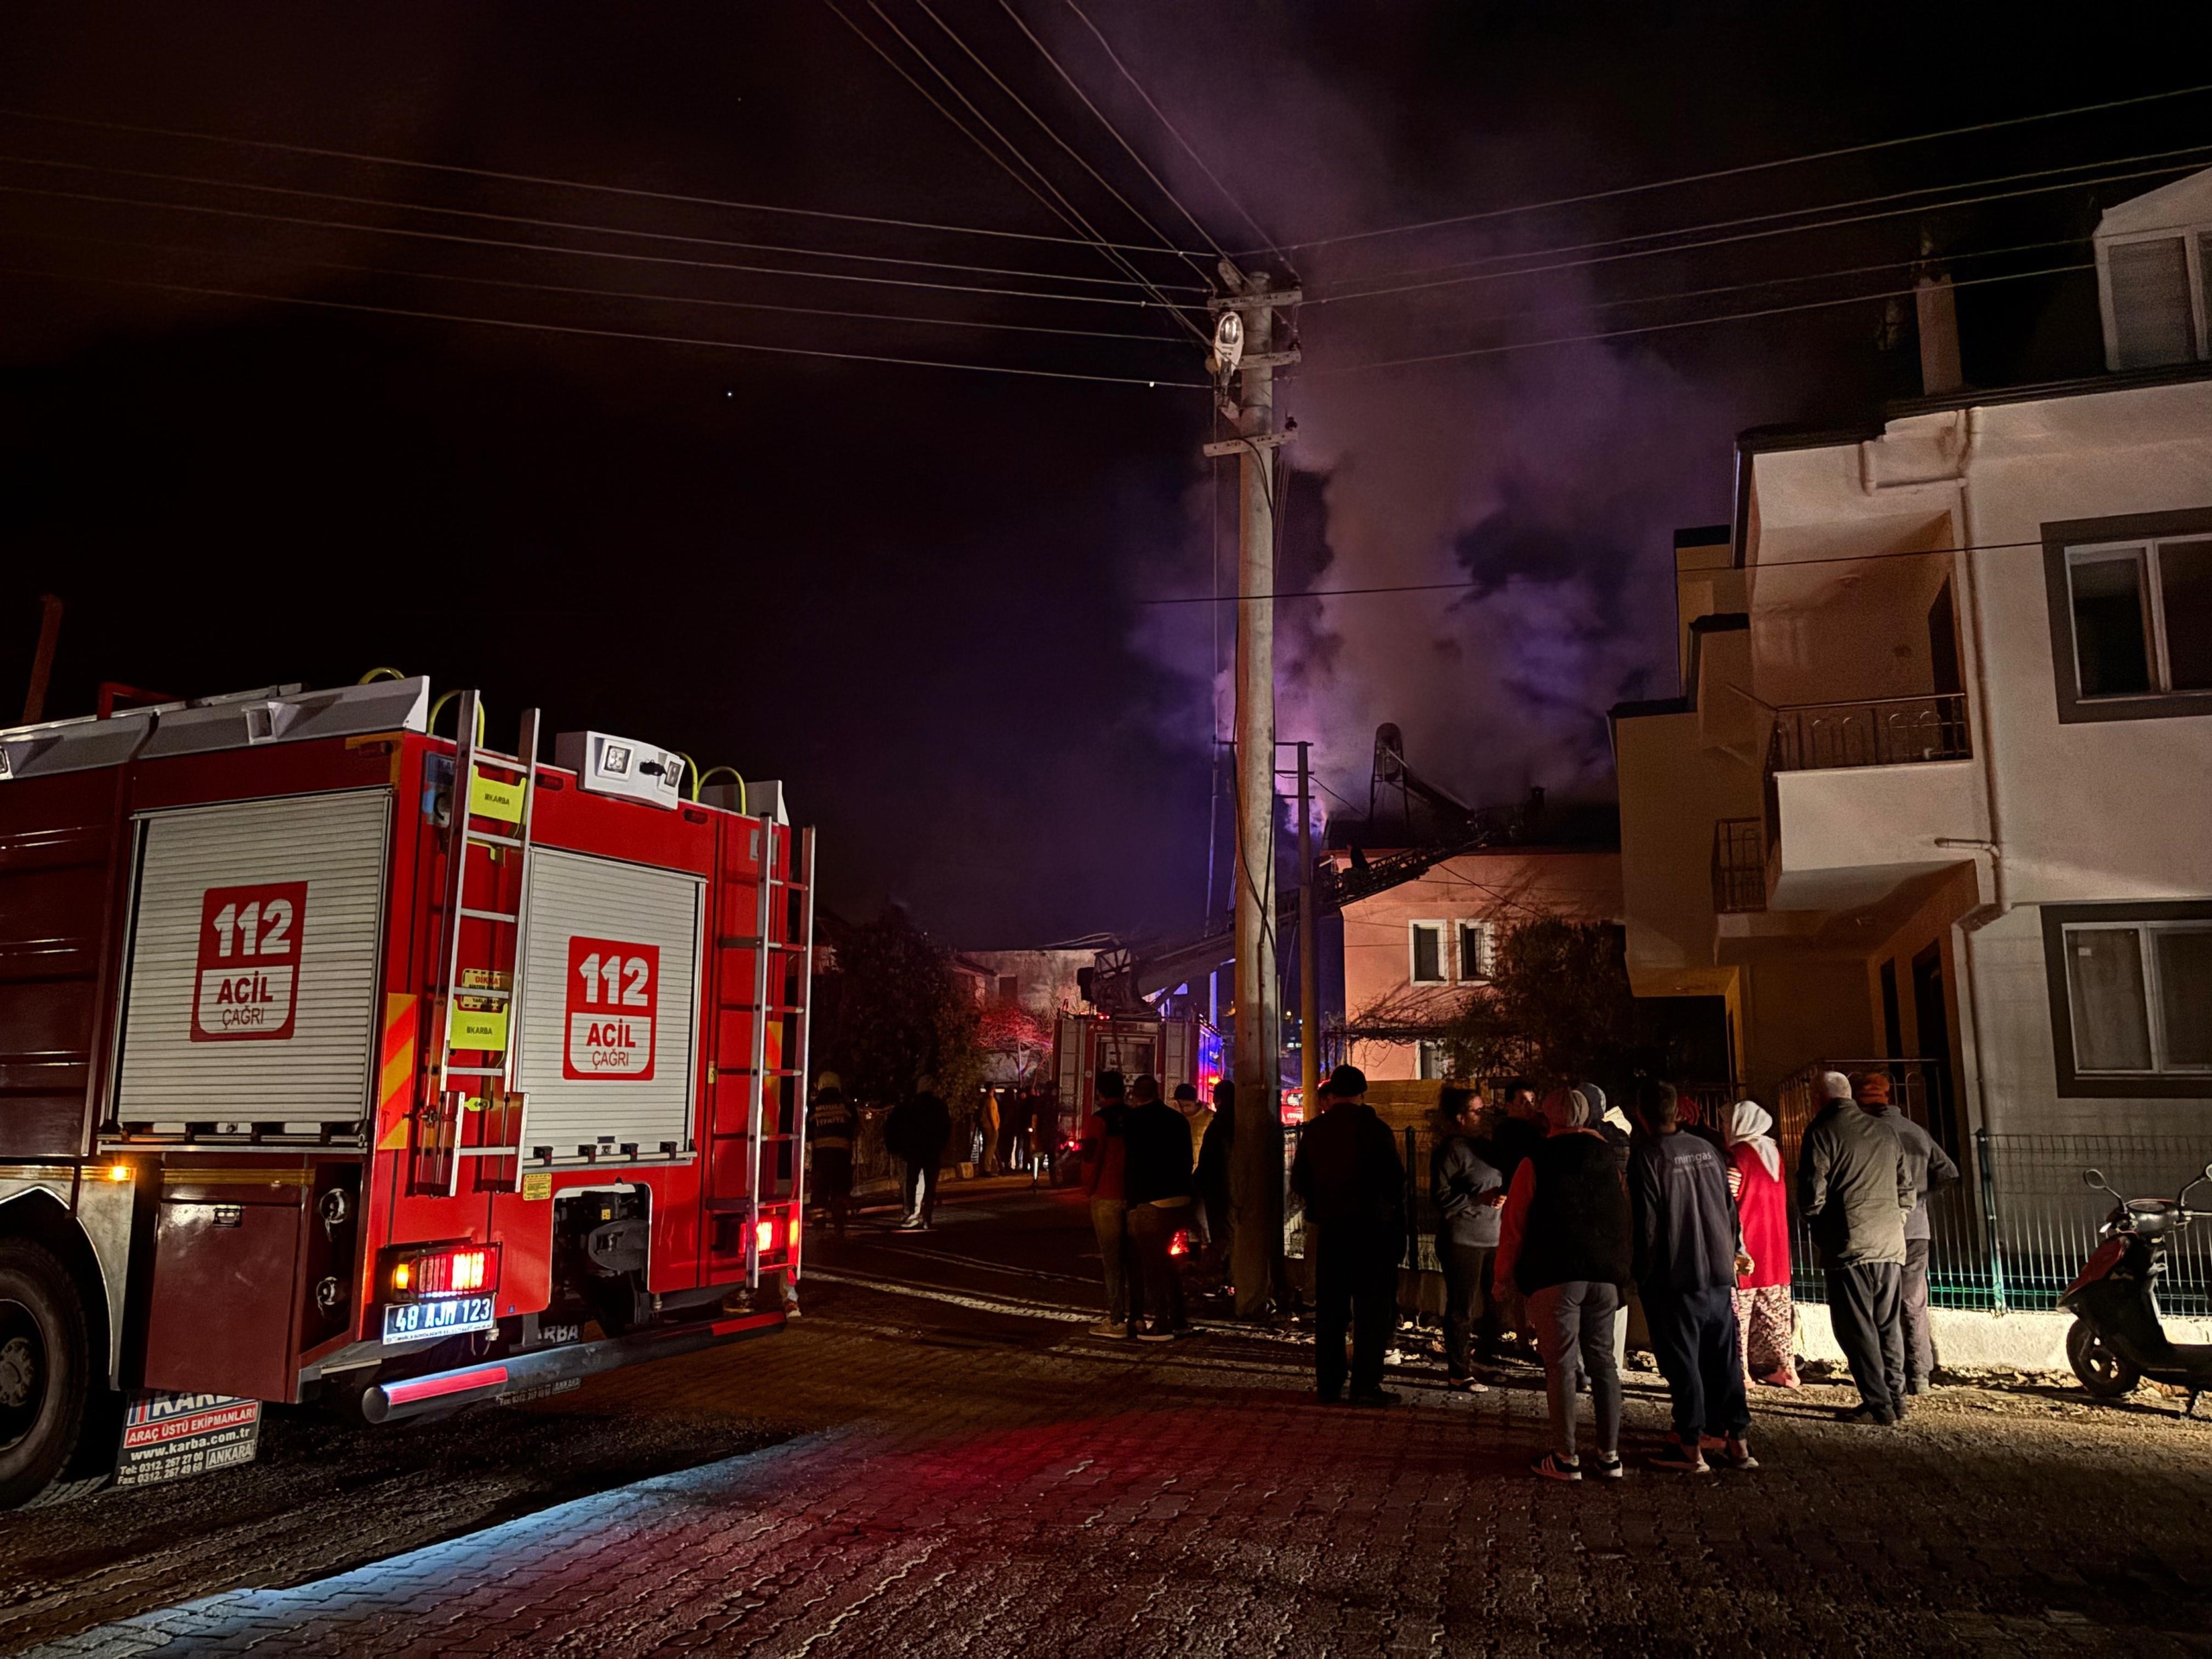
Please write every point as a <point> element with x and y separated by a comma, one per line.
<point>456,238</point>
<point>1115,58</point>
<point>1777,282</point>
<point>1460,587</point>
<point>1687,322</point>
<point>1056,203</point>
<point>606,333</point>
<point>1046,128</point>
<point>571,225</point>
<point>1758,218</point>
<point>592,293</point>
<point>557,183</point>
<point>1074,86</point>
<point>1751,167</point>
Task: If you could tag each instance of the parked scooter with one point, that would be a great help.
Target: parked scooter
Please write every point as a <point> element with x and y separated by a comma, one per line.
<point>2118,1338</point>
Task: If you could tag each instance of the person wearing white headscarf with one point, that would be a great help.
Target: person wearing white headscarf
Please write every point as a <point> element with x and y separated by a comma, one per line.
<point>1765,1341</point>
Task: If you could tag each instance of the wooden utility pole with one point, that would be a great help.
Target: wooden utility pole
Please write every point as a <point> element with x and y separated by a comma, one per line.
<point>1255,1179</point>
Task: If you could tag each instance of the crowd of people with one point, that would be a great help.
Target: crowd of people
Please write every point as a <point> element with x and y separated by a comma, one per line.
<point>1554,1214</point>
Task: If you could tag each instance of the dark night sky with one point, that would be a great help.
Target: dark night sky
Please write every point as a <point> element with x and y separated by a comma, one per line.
<point>913,592</point>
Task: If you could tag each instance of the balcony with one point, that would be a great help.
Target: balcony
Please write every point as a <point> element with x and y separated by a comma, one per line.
<point>1859,795</point>
<point>1738,866</point>
<point>1884,732</point>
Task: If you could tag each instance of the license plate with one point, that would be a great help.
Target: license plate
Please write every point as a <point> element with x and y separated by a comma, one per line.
<point>446,1316</point>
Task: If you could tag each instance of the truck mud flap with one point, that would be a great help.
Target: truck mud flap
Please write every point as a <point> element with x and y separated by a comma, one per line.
<point>405,1397</point>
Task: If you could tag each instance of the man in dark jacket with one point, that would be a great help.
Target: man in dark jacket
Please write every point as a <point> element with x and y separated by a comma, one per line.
<point>1855,1191</point>
<point>1685,1249</point>
<point>1468,1194</point>
<point>1930,1166</point>
<point>916,1131</point>
<point>1564,1236</point>
<point>1156,1179</point>
<point>1348,1174</point>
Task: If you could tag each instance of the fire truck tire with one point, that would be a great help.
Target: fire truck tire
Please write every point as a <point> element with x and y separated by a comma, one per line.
<point>45,1373</point>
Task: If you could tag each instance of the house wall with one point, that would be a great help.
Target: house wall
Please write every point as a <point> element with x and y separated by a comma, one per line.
<point>1047,982</point>
<point>1502,888</point>
<point>2096,810</point>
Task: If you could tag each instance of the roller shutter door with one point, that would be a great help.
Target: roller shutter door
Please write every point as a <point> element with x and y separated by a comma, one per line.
<point>609,995</point>
<point>254,953</point>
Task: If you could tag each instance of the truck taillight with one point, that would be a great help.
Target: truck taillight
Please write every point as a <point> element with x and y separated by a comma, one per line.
<point>451,1270</point>
<point>794,1232</point>
<point>763,1235</point>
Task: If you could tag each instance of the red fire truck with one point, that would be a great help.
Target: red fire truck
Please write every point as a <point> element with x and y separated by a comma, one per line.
<point>341,1062</point>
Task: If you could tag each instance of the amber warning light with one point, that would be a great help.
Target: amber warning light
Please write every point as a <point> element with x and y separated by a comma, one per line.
<point>456,1270</point>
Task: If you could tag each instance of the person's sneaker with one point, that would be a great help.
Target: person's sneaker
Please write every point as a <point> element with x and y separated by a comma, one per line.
<point>1683,1457</point>
<point>1109,1328</point>
<point>1604,1468</point>
<point>1863,1412</point>
<point>1153,1333</point>
<point>1738,1452</point>
<point>1375,1397</point>
<point>1552,1466</point>
<point>1918,1385</point>
<point>1466,1385</point>
<point>911,1224</point>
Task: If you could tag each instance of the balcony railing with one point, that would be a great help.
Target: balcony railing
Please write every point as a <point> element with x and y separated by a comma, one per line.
<point>1883,732</point>
<point>1738,866</point>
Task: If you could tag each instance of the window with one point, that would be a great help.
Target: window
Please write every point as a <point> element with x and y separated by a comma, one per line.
<point>2151,311</point>
<point>1428,1061</point>
<point>1477,946</point>
<point>1009,987</point>
<point>2130,991</point>
<point>1428,953</point>
<point>2131,604</point>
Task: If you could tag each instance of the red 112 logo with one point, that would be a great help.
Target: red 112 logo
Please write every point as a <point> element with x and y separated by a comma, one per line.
<point>247,988</point>
<point>613,991</point>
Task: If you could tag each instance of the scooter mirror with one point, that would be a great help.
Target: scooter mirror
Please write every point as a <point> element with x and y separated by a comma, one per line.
<point>2094,1180</point>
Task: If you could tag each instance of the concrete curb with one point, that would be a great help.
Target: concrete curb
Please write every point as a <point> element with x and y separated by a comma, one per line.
<point>2017,1341</point>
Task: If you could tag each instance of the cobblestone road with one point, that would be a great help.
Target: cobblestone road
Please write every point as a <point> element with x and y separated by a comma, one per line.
<point>972,1473</point>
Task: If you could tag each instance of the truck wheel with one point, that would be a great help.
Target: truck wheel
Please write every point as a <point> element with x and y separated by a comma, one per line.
<point>45,1369</point>
<point>2102,1371</point>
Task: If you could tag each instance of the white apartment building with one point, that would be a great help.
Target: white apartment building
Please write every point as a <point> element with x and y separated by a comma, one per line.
<point>1939,785</point>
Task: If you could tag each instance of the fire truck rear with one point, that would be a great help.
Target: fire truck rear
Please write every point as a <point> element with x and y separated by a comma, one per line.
<point>341,1062</point>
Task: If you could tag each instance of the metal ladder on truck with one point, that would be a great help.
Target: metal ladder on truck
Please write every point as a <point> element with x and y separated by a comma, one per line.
<point>479,1000</point>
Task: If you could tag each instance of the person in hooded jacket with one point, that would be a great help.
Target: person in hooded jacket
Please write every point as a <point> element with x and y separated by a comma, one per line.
<point>1855,1192</point>
<point>1564,1236</point>
<point>1765,1339</point>
<point>1930,1166</point>
<point>1467,1193</point>
<point>1686,1253</point>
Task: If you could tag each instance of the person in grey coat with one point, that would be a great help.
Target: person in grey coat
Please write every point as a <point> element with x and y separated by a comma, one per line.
<point>1855,1191</point>
<point>1468,1192</point>
<point>1930,1166</point>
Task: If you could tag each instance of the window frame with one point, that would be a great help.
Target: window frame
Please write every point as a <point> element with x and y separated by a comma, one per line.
<point>1444,963</point>
<point>2151,919</point>
<point>2064,541</point>
<point>1485,952</point>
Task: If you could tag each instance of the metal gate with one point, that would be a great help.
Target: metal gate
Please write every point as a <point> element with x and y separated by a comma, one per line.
<point>610,988</point>
<point>253,961</point>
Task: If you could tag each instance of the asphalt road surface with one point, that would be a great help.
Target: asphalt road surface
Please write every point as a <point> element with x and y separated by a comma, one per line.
<point>938,1459</point>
